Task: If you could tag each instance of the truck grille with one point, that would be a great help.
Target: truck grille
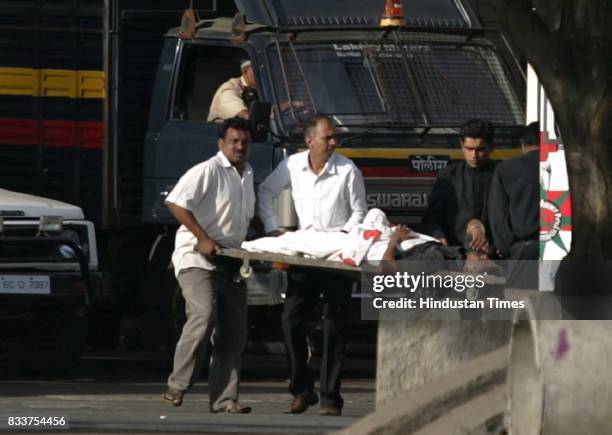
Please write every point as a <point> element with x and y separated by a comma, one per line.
<point>26,252</point>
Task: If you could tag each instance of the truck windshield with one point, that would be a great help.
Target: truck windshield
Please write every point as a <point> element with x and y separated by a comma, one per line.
<point>416,82</point>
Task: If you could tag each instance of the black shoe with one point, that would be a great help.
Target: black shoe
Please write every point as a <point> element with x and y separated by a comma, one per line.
<point>301,403</point>
<point>328,410</point>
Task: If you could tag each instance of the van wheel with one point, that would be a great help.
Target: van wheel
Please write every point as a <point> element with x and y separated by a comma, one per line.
<point>50,345</point>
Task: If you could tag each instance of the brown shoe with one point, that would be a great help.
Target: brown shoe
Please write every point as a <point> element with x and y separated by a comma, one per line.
<point>175,397</point>
<point>301,403</point>
<point>331,411</point>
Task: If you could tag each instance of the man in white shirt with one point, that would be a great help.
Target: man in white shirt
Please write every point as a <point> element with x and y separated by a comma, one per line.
<point>214,201</point>
<point>233,96</point>
<point>329,195</point>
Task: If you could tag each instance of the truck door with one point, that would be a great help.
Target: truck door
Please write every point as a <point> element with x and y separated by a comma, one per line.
<point>179,136</point>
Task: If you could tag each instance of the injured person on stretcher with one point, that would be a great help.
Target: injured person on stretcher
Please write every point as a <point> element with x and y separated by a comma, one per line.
<point>372,241</point>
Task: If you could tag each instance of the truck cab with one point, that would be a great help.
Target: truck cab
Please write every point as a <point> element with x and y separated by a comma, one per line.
<point>48,276</point>
<point>398,94</point>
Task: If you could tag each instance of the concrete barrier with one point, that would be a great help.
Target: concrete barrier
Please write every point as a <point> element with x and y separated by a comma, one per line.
<point>559,377</point>
<point>461,390</point>
<point>412,353</point>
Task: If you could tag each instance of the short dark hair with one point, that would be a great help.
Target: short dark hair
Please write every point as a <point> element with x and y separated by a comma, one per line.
<point>311,124</point>
<point>530,136</point>
<point>478,128</point>
<point>236,123</point>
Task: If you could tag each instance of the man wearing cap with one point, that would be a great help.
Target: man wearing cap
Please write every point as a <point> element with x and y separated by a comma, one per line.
<point>233,96</point>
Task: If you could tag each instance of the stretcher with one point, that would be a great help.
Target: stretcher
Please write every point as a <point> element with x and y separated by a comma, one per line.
<point>247,257</point>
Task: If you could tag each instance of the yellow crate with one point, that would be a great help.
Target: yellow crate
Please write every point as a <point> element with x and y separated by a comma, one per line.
<point>91,84</point>
<point>58,83</point>
<point>19,81</point>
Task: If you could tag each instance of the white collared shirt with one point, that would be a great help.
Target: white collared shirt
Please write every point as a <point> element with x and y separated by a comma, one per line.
<point>334,200</point>
<point>222,201</point>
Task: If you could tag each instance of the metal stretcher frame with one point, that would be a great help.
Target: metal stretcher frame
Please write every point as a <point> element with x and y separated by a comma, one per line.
<point>316,263</point>
<point>293,260</point>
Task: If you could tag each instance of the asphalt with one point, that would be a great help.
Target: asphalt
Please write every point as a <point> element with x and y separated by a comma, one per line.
<point>122,394</point>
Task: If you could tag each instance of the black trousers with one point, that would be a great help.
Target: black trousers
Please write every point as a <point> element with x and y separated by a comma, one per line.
<point>302,296</point>
<point>522,268</point>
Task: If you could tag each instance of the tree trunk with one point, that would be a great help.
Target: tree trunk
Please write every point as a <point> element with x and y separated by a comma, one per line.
<point>569,44</point>
<point>589,164</point>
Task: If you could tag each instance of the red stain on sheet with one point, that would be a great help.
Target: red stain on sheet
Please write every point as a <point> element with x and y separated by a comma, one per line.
<point>563,345</point>
<point>349,261</point>
<point>371,234</point>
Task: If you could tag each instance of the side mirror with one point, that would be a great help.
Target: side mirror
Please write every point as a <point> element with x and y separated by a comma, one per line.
<point>259,117</point>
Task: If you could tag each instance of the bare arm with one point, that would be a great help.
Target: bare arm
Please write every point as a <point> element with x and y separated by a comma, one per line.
<point>206,246</point>
<point>401,233</point>
<point>389,254</point>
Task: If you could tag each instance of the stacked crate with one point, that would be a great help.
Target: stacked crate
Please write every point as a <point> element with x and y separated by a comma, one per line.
<point>52,98</point>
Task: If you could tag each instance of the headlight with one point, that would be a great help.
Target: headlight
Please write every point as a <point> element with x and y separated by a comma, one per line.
<point>66,251</point>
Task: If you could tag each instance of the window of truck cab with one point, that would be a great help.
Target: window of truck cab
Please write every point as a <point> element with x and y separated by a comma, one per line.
<point>203,68</point>
<point>420,80</point>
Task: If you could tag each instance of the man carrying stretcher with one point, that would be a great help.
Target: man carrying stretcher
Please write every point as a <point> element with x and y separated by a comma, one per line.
<point>329,195</point>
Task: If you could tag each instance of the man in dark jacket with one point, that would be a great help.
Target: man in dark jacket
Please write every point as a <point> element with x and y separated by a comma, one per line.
<point>514,201</point>
<point>514,212</point>
<point>457,212</point>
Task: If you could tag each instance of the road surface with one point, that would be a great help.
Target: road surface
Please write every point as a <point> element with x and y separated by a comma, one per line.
<point>121,393</point>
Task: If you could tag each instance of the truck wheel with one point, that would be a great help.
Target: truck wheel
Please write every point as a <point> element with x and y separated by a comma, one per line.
<point>165,312</point>
<point>126,260</point>
<point>106,326</point>
<point>176,321</point>
<point>51,344</point>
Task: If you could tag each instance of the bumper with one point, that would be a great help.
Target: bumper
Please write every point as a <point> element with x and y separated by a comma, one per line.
<point>67,292</point>
<point>30,286</point>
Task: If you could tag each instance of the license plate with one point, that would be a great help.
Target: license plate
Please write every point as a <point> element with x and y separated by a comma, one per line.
<point>25,284</point>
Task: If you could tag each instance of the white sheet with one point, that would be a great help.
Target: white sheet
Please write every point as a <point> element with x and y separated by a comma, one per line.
<point>369,240</point>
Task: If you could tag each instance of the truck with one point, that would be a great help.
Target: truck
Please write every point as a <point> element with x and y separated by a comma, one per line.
<point>48,275</point>
<point>112,109</point>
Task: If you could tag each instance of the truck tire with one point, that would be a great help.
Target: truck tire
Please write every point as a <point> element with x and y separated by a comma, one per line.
<point>51,344</point>
<point>126,260</point>
<point>165,310</point>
